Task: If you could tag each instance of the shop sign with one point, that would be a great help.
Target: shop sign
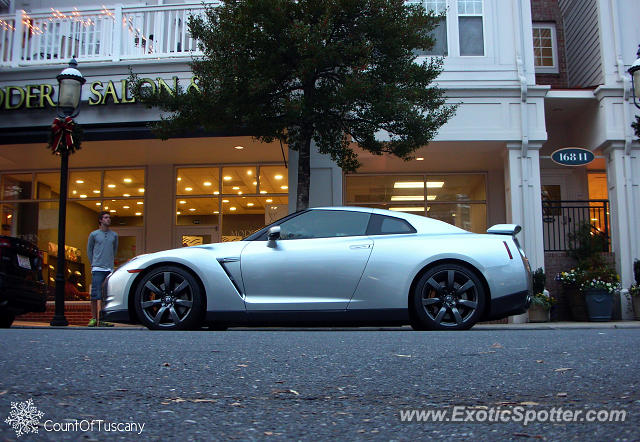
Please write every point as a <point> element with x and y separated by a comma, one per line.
<point>38,96</point>
<point>572,156</point>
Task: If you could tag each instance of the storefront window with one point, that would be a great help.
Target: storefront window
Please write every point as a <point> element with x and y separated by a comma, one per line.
<point>47,186</point>
<point>198,181</point>
<point>16,186</point>
<point>435,196</point>
<point>243,216</point>
<point>124,183</point>
<point>273,179</point>
<point>86,184</point>
<point>240,180</point>
<point>197,211</point>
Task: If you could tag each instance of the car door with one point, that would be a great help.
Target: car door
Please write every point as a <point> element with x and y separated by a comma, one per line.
<point>316,263</point>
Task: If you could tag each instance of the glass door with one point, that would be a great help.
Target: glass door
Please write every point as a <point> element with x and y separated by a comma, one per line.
<point>129,244</point>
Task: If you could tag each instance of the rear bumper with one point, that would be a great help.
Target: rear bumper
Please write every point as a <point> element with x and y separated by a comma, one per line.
<point>512,304</point>
<point>22,296</point>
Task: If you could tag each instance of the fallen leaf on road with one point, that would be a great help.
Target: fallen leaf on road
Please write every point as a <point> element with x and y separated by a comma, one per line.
<point>236,404</point>
<point>204,400</point>
<point>286,391</point>
<point>563,369</point>
<point>268,433</point>
<point>242,365</point>
<point>530,403</point>
<point>121,389</point>
<point>535,436</point>
<point>496,345</point>
<point>561,394</point>
<point>403,356</point>
<point>539,361</point>
<point>3,392</point>
<point>166,364</point>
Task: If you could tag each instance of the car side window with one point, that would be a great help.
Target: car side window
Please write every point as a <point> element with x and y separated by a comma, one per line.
<point>325,224</point>
<point>388,225</point>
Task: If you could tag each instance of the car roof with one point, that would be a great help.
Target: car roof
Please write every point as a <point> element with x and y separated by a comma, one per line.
<point>421,223</point>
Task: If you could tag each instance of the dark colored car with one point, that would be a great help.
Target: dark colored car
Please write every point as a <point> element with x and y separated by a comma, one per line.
<point>22,289</point>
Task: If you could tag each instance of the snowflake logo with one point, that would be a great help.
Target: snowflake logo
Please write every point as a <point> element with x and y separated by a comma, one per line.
<point>24,417</point>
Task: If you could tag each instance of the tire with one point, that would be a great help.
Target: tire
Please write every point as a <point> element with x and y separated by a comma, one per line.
<point>169,298</point>
<point>6,318</point>
<point>447,297</point>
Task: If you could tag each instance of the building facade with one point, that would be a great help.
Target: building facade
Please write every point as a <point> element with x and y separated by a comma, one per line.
<point>529,77</point>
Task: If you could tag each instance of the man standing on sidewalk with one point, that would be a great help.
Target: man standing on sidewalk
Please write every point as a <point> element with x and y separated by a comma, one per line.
<point>102,247</point>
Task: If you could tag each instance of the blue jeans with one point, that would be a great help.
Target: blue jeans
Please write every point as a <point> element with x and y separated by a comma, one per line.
<point>97,279</point>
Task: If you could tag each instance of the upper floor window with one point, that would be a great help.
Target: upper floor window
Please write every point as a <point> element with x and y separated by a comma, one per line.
<point>460,31</point>
<point>545,53</point>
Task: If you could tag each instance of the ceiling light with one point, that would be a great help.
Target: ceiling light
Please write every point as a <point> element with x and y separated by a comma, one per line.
<point>178,212</point>
<point>188,189</point>
<point>111,186</point>
<point>254,183</point>
<point>138,213</point>
<point>263,191</point>
<point>112,210</point>
<point>74,191</point>
<point>98,204</point>
<point>96,191</point>
<point>79,181</point>
<point>106,207</point>
<point>408,185</point>
<point>225,201</point>
<point>249,172</point>
<point>126,194</point>
<point>141,190</point>
<point>179,179</point>
<point>407,209</point>
<point>419,159</point>
<point>238,147</point>
<point>407,198</point>
<point>113,201</point>
<point>192,210</point>
<point>250,204</point>
<point>269,200</point>
<point>239,192</point>
<point>125,207</point>
<point>183,202</point>
<point>435,184</point>
<point>227,178</point>
<point>207,183</point>
<point>232,208</point>
<point>127,180</point>
<point>278,177</point>
<point>216,212</point>
<point>235,188</point>
<point>431,197</point>
<point>284,187</point>
<point>140,203</point>
<point>83,196</point>
<point>216,193</point>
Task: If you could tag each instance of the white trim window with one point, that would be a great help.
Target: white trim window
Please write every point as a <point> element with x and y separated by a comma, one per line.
<point>545,48</point>
<point>461,28</point>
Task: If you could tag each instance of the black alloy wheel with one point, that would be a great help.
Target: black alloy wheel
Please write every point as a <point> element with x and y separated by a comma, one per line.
<point>448,297</point>
<point>169,298</point>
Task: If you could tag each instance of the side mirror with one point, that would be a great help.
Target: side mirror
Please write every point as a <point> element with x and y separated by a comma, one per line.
<point>274,233</point>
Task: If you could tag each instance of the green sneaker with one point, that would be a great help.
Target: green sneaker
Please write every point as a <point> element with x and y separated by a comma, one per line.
<point>105,324</point>
<point>92,323</point>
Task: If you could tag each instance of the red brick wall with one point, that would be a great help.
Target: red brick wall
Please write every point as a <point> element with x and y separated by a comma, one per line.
<point>77,313</point>
<point>548,11</point>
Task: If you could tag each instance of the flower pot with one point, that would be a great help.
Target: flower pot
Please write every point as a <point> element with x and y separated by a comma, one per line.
<point>599,304</point>
<point>635,300</point>
<point>538,313</point>
<point>577,303</point>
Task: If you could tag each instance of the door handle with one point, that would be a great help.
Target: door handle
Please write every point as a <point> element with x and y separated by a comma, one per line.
<point>360,246</point>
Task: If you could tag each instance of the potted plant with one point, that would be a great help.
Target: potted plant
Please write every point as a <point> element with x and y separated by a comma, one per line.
<point>541,302</point>
<point>571,282</point>
<point>634,291</point>
<point>599,288</point>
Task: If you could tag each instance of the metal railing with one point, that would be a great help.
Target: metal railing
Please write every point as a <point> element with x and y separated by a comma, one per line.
<point>563,218</point>
<point>98,34</point>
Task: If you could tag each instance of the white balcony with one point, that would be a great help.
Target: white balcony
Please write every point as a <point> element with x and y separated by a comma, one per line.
<point>98,34</point>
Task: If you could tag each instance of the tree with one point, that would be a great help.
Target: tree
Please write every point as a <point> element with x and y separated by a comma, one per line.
<point>328,71</point>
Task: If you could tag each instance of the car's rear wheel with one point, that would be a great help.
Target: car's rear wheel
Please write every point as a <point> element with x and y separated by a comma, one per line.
<point>447,297</point>
<point>6,318</point>
<point>169,298</point>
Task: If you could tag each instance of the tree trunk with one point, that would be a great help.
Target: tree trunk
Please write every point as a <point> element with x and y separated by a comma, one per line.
<point>304,174</point>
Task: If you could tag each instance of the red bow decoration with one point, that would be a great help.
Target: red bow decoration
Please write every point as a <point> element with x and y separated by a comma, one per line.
<point>62,134</point>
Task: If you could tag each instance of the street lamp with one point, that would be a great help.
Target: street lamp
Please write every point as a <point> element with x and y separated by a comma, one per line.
<point>634,71</point>
<point>70,82</point>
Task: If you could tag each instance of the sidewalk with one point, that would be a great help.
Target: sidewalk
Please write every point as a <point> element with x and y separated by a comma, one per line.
<point>526,326</point>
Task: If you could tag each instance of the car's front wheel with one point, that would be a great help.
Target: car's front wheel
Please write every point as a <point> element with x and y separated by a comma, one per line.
<point>447,297</point>
<point>169,298</point>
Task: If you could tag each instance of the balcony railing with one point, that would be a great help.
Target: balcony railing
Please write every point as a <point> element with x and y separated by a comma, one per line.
<point>562,218</point>
<point>102,34</point>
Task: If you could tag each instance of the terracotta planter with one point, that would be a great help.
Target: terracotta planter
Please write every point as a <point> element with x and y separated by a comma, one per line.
<point>538,313</point>
<point>599,304</point>
<point>577,304</point>
<point>635,300</point>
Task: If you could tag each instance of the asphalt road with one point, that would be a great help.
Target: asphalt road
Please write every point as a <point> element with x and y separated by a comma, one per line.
<point>319,384</point>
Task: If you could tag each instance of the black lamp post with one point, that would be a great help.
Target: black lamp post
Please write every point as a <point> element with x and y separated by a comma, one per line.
<point>70,82</point>
<point>634,70</point>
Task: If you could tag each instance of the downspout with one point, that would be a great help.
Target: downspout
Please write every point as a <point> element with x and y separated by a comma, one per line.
<point>626,122</point>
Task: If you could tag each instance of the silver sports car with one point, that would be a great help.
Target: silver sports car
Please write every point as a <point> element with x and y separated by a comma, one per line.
<point>330,266</point>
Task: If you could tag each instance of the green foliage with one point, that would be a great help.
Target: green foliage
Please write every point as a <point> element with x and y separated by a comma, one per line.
<point>636,271</point>
<point>542,300</point>
<point>539,279</point>
<point>336,72</point>
<point>636,126</point>
<point>586,245</point>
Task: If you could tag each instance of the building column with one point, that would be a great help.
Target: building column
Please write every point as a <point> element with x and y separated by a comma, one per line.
<point>523,198</point>
<point>623,180</point>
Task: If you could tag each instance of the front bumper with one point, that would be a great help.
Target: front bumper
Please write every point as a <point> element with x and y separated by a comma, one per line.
<point>22,296</point>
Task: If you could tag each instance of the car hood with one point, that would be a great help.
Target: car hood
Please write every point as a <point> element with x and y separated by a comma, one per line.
<point>219,250</point>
